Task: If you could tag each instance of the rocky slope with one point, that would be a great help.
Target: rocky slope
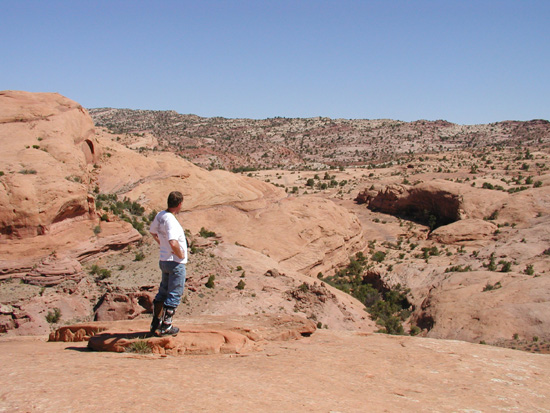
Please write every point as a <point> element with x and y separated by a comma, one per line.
<point>292,232</point>
<point>462,233</point>
<point>313,142</point>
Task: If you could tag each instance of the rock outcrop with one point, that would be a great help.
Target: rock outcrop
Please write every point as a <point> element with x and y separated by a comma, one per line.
<point>200,336</point>
<point>436,203</point>
<point>124,306</point>
<point>465,232</point>
<point>47,210</point>
<point>48,151</point>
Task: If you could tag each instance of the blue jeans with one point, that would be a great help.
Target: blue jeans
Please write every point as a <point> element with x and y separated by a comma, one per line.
<point>171,284</point>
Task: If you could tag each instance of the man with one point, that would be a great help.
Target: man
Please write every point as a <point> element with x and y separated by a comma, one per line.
<point>169,234</point>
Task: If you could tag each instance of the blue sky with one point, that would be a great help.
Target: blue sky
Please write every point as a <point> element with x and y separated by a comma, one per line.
<point>463,61</point>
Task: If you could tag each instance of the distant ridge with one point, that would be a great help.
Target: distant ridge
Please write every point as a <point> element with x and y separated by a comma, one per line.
<point>291,143</point>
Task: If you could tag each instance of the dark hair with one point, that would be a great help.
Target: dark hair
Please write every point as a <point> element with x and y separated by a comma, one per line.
<point>174,199</point>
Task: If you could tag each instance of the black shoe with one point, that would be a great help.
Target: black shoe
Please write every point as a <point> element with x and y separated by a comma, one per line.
<point>170,330</point>
<point>155,324</point>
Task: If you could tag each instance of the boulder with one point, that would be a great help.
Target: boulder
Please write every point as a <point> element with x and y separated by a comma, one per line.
<point>466,231</point>
<point>120,306</point>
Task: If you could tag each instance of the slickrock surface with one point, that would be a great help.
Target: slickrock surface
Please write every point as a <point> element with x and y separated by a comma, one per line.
<point>329,371</point>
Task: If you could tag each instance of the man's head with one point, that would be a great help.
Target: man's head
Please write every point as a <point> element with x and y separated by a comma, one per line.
<point>174,199</point>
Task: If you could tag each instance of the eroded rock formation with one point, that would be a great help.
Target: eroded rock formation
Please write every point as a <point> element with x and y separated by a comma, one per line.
<point>204,335</point>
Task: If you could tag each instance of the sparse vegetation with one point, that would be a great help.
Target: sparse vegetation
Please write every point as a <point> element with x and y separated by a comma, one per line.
<point>53,316</point>
<point>206,234</point>
<point>490,287</point>
<point>211,281</point>
<point>139,346</point>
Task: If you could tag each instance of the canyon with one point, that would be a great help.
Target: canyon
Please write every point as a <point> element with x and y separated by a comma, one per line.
<point>322,219</point>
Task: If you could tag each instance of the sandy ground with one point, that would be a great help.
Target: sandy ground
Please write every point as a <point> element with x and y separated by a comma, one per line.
<point>330,371</point>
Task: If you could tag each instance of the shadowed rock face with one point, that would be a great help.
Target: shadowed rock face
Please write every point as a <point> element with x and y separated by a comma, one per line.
<point>428,205</point>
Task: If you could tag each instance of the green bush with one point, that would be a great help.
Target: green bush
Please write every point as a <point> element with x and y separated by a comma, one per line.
<point>378,256</point>
<point>140,256</point>
<point>206,234</point>
<point>489,287</point>
<point>506,266</point>
<point>210,283</point>
<point>240,285</point>
<point>104,273</point>
<point>28,171</point>
<point>53,316</point>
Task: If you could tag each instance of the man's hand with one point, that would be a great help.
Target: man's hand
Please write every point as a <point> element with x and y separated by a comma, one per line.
<point>176,248</point>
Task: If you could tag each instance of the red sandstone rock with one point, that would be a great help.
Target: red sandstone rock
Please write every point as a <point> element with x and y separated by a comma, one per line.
<point>203,335</point>
<point>119,306</point>
<point>47,165</point>
<point>466,231</point>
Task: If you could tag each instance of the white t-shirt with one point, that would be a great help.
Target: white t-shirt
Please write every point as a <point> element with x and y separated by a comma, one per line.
<point>167,227</point>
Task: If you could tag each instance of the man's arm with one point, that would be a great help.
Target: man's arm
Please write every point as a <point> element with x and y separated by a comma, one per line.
<point>176,248</point>
<point>156,237</point>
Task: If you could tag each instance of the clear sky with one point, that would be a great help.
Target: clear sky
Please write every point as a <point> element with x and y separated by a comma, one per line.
<point>464,61</point>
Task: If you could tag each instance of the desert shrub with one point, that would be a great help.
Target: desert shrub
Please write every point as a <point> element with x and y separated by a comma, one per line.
<point>489,287</point>
<point>1,173</point>
<point>104,273</point>
<point>492,265</point>
<point>97,229</point>
<point>430,251</point>
<point>140,256</point>
<point>28,171</point>
<point>415,330</point>
<point>392,326</point>
<point>529,270</point>
<point>53,316</point>
<point>459,268</point>
<point>210,283</point>
<point>240,285</point>
<point>304,287</point>
<point>506,266</point>
<point>378,256</point>
<point>382,304</point>
<point>74,178</point>
<point>245,168</point>
<point>205,233</point>
<point>139,346</point>
<point>537,184</point>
